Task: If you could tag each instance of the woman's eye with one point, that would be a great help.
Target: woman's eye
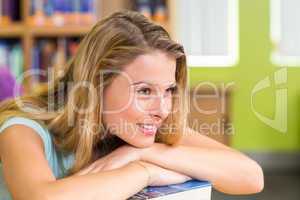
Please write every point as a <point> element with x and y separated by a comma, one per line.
<point>171,89</point>
<point>147,91</point>
<point>144,91</point>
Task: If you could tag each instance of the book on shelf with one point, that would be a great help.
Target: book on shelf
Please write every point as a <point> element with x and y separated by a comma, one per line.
<point>63,12</point>
<point>159,11</point>
<point>11,69</point>
<point>190,190</point>
<point>51,53</point>
<point>11,57</point>
<point>9,11</point>
<point>152,9</point>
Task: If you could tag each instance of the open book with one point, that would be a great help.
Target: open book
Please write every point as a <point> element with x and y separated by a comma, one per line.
<point>191,190</point>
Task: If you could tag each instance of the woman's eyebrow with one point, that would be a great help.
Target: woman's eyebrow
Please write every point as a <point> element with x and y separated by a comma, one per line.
<point>149,83</point>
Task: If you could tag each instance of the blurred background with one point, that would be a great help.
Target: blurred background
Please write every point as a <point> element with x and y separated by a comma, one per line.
<point>243,59</point>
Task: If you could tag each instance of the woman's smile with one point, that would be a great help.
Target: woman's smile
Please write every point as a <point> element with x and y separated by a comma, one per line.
<point>148,129</point>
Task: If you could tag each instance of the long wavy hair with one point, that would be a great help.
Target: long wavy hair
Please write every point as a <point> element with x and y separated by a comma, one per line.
<point>113,42</point>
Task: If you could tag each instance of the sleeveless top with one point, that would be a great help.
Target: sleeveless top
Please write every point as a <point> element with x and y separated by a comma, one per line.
<point>58,162</point>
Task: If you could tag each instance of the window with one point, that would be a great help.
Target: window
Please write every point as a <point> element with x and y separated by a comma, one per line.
<point>285,32</point>
<point>208,29</point>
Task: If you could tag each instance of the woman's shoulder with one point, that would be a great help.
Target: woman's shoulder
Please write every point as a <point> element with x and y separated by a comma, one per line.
<point>23,121</point>
<point>55,158</point>
<point>37,126</point>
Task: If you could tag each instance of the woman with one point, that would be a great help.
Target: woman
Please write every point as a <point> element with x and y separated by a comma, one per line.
<point>114,118</point>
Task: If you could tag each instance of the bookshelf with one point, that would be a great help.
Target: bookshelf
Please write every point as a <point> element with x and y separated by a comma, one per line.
<point>27,32</point>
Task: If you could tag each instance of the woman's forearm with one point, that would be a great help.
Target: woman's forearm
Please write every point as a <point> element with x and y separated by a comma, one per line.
<point>229,171</point>
<point>111,185</point>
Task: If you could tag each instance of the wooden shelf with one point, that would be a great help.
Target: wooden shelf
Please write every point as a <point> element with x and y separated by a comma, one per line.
<point>18,30</point>
<point>12,30</point>
<point>52,31</point>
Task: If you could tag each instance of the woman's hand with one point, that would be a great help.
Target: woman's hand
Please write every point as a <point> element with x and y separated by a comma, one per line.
<point>126,154</point>
<point>116,159</point>
<point>160,176</point>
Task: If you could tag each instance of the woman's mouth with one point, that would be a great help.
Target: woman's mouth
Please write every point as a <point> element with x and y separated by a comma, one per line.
<point>148,129</point>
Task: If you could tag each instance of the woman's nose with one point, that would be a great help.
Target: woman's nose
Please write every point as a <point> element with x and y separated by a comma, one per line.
<point>159,106</point>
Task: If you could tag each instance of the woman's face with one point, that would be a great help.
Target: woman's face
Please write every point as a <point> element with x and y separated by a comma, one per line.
<point>139,99</point>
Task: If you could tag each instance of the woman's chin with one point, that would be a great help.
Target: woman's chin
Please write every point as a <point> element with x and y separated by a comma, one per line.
<point>142,143</point>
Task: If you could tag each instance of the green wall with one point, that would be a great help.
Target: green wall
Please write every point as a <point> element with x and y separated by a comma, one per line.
<point>250,134</point>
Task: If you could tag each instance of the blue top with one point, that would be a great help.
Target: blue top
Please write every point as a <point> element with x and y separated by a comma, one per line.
<point>56,160</point>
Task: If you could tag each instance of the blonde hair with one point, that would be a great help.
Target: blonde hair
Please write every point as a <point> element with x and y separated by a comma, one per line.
<point>113,42</point>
